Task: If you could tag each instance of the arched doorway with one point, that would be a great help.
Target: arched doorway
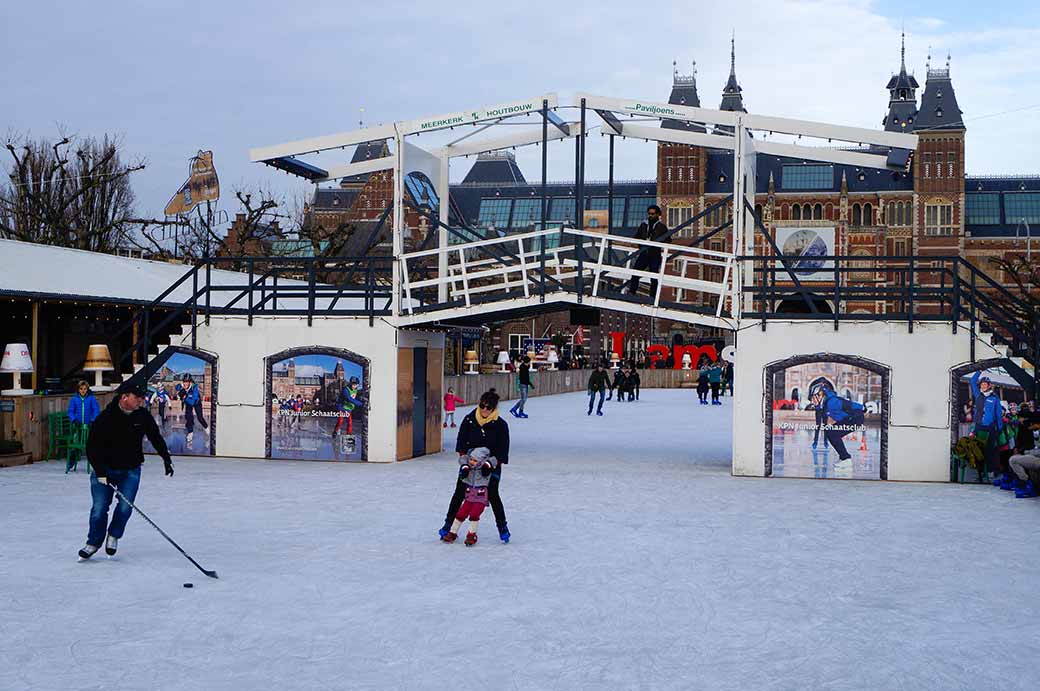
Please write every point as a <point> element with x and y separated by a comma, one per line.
<point>796,304</point>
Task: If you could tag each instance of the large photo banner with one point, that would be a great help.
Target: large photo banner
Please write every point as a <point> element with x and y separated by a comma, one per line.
<point>827,417</point>
<point>317,405</point>
<point>804,248</point>
<point>182,397</point>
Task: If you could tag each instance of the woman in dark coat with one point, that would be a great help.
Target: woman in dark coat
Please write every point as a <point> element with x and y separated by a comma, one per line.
<point>483,427</point>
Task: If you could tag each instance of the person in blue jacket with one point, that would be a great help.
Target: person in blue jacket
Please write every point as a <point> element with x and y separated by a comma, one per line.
<point>83,407</point>
<point>191,397</point>
<point>83,410</point>
<point>989,418</point>
<point>843,415</point>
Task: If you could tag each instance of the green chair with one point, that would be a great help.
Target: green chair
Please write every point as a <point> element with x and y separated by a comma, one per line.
<point>59,431</point>
<point>77,447</point>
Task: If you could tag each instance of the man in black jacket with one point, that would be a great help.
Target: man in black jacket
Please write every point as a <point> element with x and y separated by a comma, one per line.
<point>115,455</point>
<point>650,259</point>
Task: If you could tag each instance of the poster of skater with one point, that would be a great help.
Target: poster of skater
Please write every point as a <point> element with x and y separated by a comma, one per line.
<point>317,405</point>
<point>827,418</point>
<point>973,384</point>
<point>182,397</point>
<point>804,248</point>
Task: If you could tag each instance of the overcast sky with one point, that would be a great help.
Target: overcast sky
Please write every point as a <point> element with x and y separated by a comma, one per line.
<point>171,78</point>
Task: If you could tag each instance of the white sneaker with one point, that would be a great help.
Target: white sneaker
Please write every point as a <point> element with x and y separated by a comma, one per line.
<point>188,439</point>
<point>111,544</point>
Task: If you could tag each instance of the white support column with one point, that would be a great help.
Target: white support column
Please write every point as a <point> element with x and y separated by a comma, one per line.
<point>443,192</point>
<point>398,221</point>
<point>744,184</point>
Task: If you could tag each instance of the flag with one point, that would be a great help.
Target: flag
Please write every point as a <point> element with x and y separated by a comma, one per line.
<point>579,336</point>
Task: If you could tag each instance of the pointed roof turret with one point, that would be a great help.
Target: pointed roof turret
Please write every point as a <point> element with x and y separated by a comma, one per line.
<point>732,99</point>
<point>902,98</point>
<point>684,93</point>
<point>939,109</point>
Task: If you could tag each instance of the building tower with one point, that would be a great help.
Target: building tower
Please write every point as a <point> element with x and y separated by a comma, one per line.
<point>902,97</point>
<point>939,167</point>
<point>732,98</point>
<point>680,167</point>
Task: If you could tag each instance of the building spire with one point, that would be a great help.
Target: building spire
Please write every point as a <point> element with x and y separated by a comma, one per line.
<point>733,54</point>
<point>902,52</point>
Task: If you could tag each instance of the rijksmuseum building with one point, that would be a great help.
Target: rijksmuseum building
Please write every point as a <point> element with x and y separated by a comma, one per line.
<point>932,208</point>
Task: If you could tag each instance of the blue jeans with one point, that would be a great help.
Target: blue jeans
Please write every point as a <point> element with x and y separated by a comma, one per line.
<point>519,407</point>
<point>592,397</point>
<point>127,481</point>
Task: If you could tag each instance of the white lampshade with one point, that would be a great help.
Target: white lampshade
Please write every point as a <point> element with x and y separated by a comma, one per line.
<point>503,357</point>
<point>552,356</point>
<point>16,358</point>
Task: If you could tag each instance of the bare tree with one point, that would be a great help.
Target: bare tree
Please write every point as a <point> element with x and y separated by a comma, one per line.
<point>257,222</point>
<point>71,192</point>
<point>1022,278</point>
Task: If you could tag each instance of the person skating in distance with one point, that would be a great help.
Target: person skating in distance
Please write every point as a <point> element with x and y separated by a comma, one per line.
<point>599,382</point>
<point>475,470</point>
<point>115,456</point>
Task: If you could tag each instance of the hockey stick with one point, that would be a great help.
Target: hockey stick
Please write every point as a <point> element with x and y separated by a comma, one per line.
<point>211,574</point>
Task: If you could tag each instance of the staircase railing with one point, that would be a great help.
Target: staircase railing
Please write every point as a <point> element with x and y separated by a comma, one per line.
<point>258,286</point>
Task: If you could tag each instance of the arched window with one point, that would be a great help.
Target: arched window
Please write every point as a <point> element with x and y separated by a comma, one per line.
<point>900,221</point>
<point>868,215</point>
<point>758,211</point>
<point>857,215</point>
<point>796,213</point>
<point>807,212</point>
<point>817,212</point>
<point>890,217</point>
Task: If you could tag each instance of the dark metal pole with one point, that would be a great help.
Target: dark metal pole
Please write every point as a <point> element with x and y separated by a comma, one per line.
<point>250,296</point>
<point>579,202</point>
<point>610,187</point>
<point>956,306</point>
<point>194,305</point>
<point>545,164</point>
<point>837,293</point>
<point>972,297</point>
<point>310,295</point>
<point>208,289</point>
<point>910,296</point>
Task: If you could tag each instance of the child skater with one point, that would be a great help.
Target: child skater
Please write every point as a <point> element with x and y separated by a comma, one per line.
<point>475,472</point>
<point>450,401</point>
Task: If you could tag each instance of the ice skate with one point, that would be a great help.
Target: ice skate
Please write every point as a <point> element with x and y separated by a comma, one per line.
<point>599,412</point>
<point>471,539</point>
<point>111,545</point>
<point>446,425</point>
<point>88,551</point>
<point>454,425</point>
<point>503,533</point>
<point>1026,491</point>
<point>449,537</point>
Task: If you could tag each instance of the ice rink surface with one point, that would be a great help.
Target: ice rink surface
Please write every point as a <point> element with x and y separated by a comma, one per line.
<point>637,561</point>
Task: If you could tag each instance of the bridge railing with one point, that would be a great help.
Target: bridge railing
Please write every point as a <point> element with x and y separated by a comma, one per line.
<point>582,263</point>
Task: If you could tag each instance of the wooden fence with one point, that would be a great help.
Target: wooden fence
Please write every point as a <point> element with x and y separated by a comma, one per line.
<point>469,387</point>
<point>28,422</point>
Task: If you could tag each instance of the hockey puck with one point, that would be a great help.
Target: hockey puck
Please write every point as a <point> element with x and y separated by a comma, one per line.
<point>189,585</point>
